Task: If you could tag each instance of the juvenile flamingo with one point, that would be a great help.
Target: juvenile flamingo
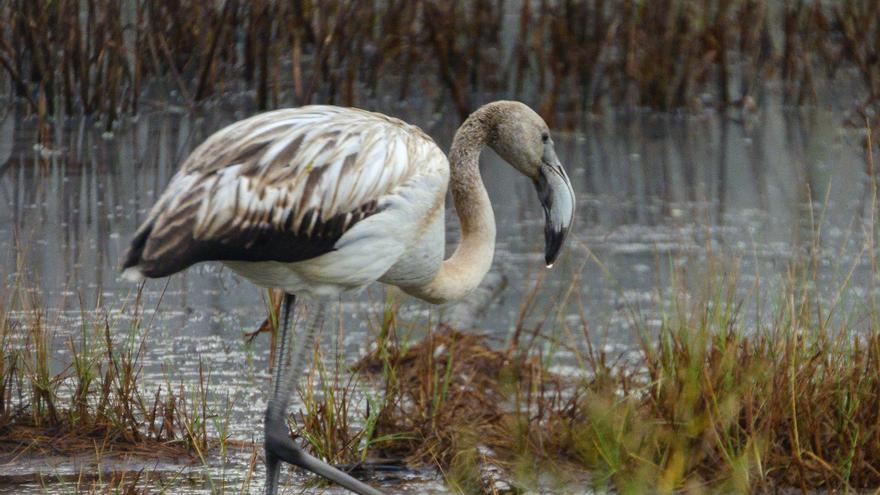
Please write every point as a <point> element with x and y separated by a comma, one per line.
<point>321,200</point>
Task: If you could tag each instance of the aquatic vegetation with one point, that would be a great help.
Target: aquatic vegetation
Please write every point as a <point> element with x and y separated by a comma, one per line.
<point>715,398</point>
<point>110,57</point>
<point>709,402</point>
<point>728,390</point>
<point>65,394</point>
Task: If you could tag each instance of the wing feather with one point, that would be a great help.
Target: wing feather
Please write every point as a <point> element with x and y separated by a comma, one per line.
<point>281,186</point>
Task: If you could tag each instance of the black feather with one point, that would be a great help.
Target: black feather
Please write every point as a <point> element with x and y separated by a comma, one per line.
<point>256,243</point>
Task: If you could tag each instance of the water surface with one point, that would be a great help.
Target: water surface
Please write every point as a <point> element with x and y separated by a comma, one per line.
<point>655,192</point>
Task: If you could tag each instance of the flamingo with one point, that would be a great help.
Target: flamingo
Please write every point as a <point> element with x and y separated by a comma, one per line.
<point>321,200</point>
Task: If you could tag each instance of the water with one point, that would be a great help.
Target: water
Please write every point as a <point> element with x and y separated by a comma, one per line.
<point>654,192</point>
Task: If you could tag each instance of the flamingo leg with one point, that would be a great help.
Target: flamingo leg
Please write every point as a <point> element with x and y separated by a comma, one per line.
<point>278,444</point>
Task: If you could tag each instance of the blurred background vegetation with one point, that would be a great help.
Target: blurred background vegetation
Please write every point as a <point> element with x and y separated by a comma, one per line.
<point>569,58</point>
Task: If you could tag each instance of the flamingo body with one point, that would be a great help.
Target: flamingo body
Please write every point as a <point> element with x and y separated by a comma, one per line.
<point>314,201</point>
<point>320,200</point>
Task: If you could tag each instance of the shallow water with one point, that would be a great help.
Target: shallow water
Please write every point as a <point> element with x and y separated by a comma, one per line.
<point>655,192</point>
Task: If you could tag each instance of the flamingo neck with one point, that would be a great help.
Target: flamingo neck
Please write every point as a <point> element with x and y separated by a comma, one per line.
<point>465,269</point>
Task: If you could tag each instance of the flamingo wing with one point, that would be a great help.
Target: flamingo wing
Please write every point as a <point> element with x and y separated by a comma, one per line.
<point>279,186</point>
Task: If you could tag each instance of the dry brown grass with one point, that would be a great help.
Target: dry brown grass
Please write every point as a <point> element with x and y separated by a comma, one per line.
<point>111,57</point>
<point>706,406</point>
<point>444,386</point>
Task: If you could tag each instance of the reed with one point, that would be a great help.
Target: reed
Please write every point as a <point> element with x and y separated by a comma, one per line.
<point>109,58</point>
<point>858,23</point>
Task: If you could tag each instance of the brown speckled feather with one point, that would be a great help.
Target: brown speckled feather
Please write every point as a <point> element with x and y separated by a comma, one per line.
<point>280,186</point>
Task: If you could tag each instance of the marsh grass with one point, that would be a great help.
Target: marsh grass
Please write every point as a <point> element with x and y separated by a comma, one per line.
<point>715,398</point>
<point>79,393</point>
<point>113,483</point>
<point>708,402</point>
<point>83,392</point>
<point>730,387</point>
<point>339,416</point>
<point>110,58</point>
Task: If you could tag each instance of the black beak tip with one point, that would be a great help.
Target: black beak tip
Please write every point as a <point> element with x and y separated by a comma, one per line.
<point>553,240</point>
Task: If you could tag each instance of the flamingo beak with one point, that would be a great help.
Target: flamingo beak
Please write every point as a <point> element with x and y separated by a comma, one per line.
<point>557,198</point>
